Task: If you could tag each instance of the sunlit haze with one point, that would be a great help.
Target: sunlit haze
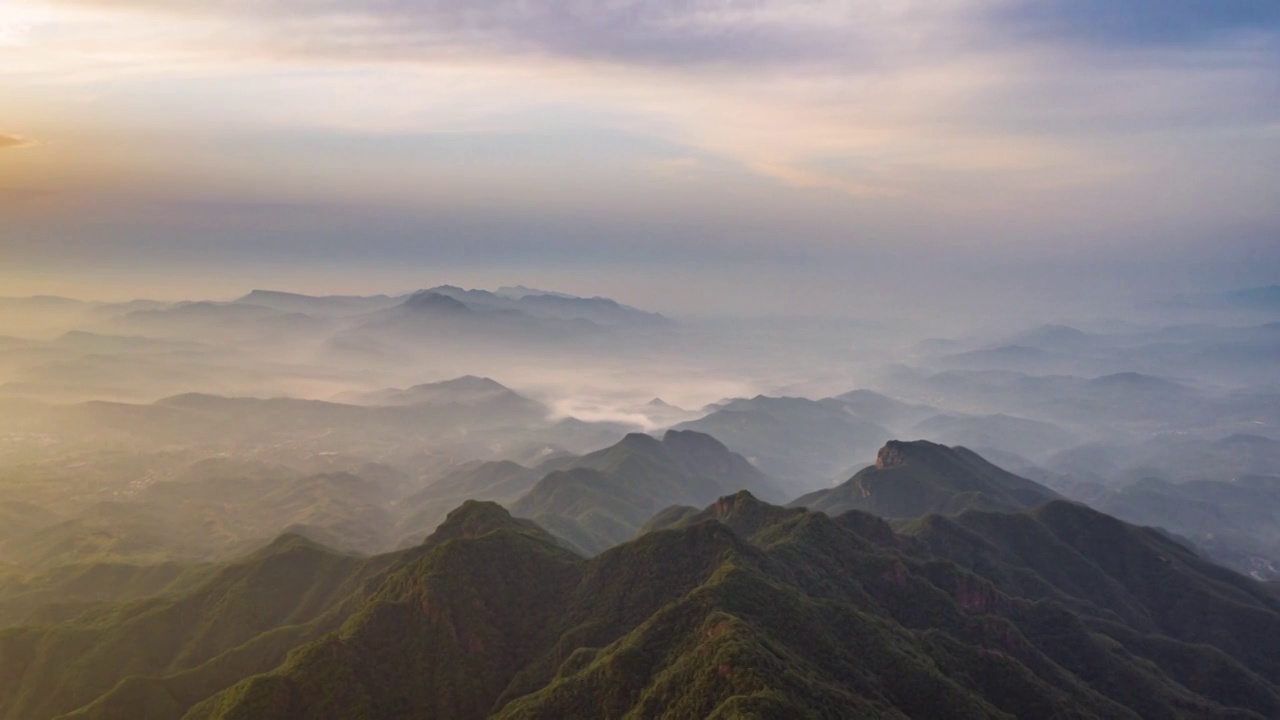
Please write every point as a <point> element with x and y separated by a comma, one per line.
<point>646,146</point>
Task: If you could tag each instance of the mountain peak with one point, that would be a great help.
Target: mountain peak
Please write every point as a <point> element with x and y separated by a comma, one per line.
<point>912,479</point>
<point>518,292</point>
<point>1133,379</point>
<point>446,289</point>
<point>740,502</point>
<point>897,453</point>
<point>741,512</point>
<point>472,383</point>
<point>475,518</point>
<point>259,293</point>
<point>434,301</point>
<point>639,440</point>
<point>692,441</point>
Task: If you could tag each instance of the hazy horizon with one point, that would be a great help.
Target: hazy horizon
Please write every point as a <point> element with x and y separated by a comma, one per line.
<point>761,157</point>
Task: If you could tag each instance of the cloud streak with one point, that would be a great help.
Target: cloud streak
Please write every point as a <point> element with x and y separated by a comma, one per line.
<point>1139,23</point>
<point>660,32</point>
<point>834,34</point>
<point>607,127</point>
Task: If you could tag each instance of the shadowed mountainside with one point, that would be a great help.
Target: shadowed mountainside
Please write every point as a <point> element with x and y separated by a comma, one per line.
<point>740,609</point>
<point>911,479</point>
<point>603,498</point>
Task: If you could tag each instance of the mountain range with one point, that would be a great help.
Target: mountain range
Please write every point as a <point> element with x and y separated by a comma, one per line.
<point>281,506</point>
<point>594,501</point>
<point>738,609</point>
<point>806,444</point>
<point>278,343</point>
<point>604,498</point>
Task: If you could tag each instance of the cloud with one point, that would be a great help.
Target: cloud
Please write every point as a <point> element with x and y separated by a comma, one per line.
<point>825,122</point>
<point>12,141</point>
<point>863,35</point>
<point>651,32</point>
<point>1140,23</point>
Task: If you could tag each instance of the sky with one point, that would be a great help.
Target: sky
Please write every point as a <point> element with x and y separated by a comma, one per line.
<point>778,155</point>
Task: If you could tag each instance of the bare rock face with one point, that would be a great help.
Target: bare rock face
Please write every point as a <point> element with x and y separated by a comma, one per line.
<point>900,453</point>
<point>891,455</point>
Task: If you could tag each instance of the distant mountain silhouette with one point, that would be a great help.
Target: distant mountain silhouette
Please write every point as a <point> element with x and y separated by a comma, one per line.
<point>466,390</point>
<point>503,482</point>
<point>1006,433</point>
<point>884,410</point>
<point>806,444</point>
<point>222,322</point>
<point>1054,337</point>
<point>1122,397</point>
<point>556,306</point>
<point>338,305</point>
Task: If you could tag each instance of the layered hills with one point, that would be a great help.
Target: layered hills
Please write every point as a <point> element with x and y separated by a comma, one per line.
<point>806,444</point>
<point>270,508</point>
<point>597,500</point>
<point>741,609</point>
<point>481,318</point>
<point>604,498</point>
<point>466,415</point>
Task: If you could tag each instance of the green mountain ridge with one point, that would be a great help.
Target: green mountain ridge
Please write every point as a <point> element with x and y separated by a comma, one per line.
<point>604,498</point>
<point>242,618</point>
<point>740,610</point>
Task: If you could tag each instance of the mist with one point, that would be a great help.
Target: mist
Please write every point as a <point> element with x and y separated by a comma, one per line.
<point>424,383</point>
<point>677,358</point>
